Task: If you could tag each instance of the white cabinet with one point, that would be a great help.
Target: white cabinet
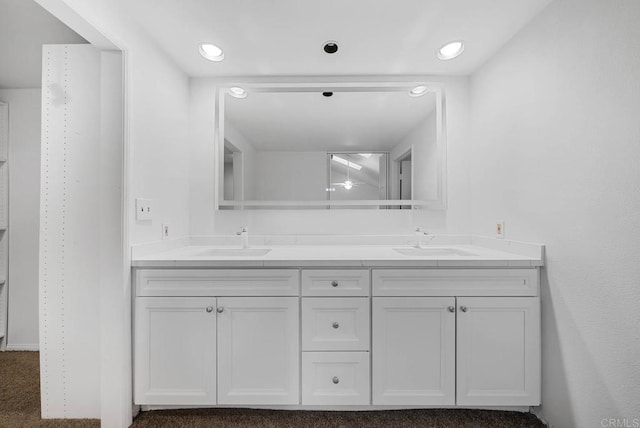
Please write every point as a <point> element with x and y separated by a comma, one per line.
<point>237,337</point>
<point>471,351</point>
<point>175,350</point>
<point>413,351</point>
<point>498,355</point>
<point>206,349</point>
<point>258,350</point>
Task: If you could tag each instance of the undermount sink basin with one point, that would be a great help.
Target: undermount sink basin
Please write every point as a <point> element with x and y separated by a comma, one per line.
<point>232,252</point>
<point>432,252</point>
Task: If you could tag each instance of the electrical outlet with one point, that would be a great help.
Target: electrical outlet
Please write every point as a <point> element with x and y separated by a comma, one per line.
<point>165,231</point>
<point>500,229</point>
<point>144,209</point>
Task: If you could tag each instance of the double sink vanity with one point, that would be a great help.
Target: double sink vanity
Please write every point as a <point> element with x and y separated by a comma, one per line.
<point>338,323</point>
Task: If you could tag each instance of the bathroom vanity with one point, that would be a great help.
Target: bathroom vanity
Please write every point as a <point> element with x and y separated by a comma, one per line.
<point>338,326</point>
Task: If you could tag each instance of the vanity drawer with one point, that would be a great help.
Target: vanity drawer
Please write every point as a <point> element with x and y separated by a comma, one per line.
<point>217,282</point>
<point>346,282</point>
<point>455,282</point>
<point>335,378</point>
<point>330,324</point>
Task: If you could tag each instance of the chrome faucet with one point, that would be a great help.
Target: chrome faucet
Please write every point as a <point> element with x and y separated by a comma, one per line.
<point>420,235</point>
<point>244,236</point>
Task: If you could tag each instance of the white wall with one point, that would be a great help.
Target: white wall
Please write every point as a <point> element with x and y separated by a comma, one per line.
<point>283,176</point>
<point>206,221</point>
<point>423,140</point>
<point>24,214</point>
<point>158,115</point>
<point>158,120</point>
<point>556,154</point>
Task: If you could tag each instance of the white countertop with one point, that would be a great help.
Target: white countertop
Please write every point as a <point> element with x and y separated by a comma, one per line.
<point>342,255</point>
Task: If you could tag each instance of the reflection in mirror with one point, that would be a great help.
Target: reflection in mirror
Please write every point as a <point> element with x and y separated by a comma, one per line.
<point>357,176</point>
<point>375,147</point>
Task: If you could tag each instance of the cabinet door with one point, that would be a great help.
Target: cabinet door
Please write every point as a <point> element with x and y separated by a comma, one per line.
<point>258,350</point>
<point>413,350</point>
<point>498,351</point>
<point>175,350</point>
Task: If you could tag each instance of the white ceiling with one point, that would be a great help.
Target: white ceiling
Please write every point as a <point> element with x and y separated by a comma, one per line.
<point>285,37</point>
<point>24,28</point>
<point>308,121</point>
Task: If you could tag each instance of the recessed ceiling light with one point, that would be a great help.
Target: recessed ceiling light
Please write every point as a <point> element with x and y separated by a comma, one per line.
<point>450,50</point>
<point>237,92</point>
<point>418,91</point>
<point>330,47</point>
<point>211,52</point>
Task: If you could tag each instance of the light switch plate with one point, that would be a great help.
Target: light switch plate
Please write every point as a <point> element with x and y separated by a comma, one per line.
<point>144,209</point>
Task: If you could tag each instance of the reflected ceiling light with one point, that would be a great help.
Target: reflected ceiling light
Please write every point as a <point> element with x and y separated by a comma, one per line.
<point>211,52</point>
<point>418,91</point>
<point>348,185</point>
<point>450,50</point>
<point>346,162</point>
<point>237,92</point>
<point>366,155</point>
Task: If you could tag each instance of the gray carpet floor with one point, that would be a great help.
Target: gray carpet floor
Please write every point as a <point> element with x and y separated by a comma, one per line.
<point>20,408</point>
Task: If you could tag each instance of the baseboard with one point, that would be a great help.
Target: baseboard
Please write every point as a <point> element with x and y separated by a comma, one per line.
<point>22,347</point>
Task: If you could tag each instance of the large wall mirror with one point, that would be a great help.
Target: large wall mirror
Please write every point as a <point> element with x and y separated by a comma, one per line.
<point>331,146</point>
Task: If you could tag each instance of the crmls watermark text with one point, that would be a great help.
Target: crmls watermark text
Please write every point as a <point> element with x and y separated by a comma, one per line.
<point>620,423</point>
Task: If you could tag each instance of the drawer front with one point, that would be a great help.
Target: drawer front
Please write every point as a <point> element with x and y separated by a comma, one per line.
<point>330,324</point>
<point>354,282</point>
<point>217,282</point>
<point>335,378</point>
<point>455,282</point>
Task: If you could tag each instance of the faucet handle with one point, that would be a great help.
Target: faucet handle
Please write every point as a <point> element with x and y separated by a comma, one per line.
<point>243,229</point>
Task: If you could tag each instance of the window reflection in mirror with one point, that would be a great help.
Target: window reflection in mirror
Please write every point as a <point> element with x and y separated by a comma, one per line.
<point>357,176</point>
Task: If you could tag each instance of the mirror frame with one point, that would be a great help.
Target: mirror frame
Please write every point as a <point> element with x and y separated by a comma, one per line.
<point>439,203</point>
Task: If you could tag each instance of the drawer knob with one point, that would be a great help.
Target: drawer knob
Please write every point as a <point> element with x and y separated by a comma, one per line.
<point>335,325</point>
<point>463,308</point>
<point>336,380</point>
<point>209,308</point>
<point>451,309</point>
<point>220,309</point>
<point>334,283</point>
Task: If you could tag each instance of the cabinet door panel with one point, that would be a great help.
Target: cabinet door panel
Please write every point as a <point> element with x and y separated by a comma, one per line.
<point>498,351</point>
<point>258,350</point>
<point>413,351</point>
<point>175,351</point>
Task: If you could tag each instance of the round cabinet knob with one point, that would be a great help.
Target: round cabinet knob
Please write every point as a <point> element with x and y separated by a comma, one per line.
<point>209,308</point>
<point>220,309</point>
<point>451,309</point>
<point>463,308</point>
<point>334,283</point>
<point>336,380</point>
<point>335,325</point>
